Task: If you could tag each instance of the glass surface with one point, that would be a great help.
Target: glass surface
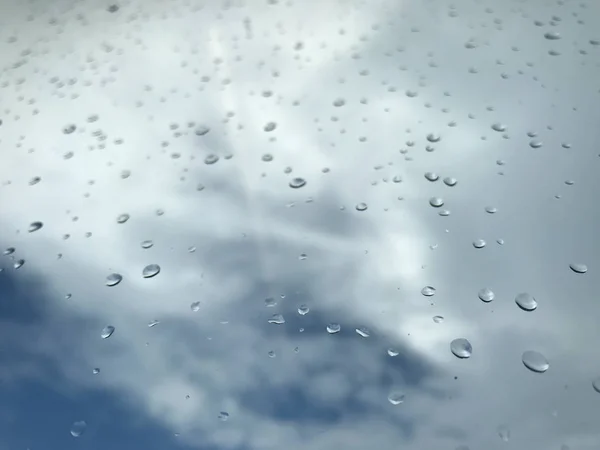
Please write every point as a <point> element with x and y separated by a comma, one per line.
<point>321,224</point>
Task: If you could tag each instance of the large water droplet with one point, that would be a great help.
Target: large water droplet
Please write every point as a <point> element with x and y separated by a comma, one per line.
<point>333,328</point>
<point>151,270</point>
<point>113,279</point>
<point>432,176</point>
<point>428,291</point>
<point>479,243</point>
<point>297,183</point>
<point>535,143</point>
<point>491,209</point>
<point>123,218</point>
<point>461,348</point>
<point>526,301</point>
<point>436,202</point>
<point>396,398</point>
<point>499,127</point>
<point>78,428</point>
<point>277,319</point>
<point>303,310</point>
<point>535,361</point>
<point>578,267</point>
<point>449,181</point>
<point>486,295</point>
<point>34,226</point>
<point>107,332</point>
<point>432,137</point>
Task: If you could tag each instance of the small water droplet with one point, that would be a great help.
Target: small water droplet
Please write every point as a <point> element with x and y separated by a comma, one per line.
<point>333,328</point>
<point>526,301</point>
<point>96,370</point>
<point>578,267</point>
<point>396,398</point>
<point>68,129</point>
<point>153,323</point>
<point>491,209</point>
<point>211,159</point>
<point>461,348</point>
<point>432,176</point>
<point>444,213</point>
<point>479,243</point>
<point>113,279</point>
<point>449,181</point>
<point>123,218</point>
<point>504,433</point>
<point>151,270</point>
<point>392,352</point>
<point>303,310</point>
<point>432,137</point>
<point>34,226</point>
<point>499,127</point>
<point>486,295</point>
<point>223,416</point>
<point>436,202</point>
<point>78,428</point>
<point>438,319</point>
<point>277,319</point>
<point>271,354</point>
<point>297,183</point>
<point>397,179</point>
<point>552,35</point>
<point>195,307</point>
<point>107,332</point>
<point>34,181</point>
<point>339,102</point>
<point>267,157</point>
<point>363,332</point>
<point>361,207</point>
<point>202,130</point>
<point>500,241</point>
<point>428,291</point>
<point>270,126</point>
<point>535,361</point>
<point>147,244</point>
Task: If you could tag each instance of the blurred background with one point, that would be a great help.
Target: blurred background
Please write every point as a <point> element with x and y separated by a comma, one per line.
<point>316,224</point>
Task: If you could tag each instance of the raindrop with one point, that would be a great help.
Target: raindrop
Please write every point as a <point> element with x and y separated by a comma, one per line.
<point>491,209</point>
<point>19,263</point>
<point>361,207</point>
<point>202,130</point>
<point>479,243</point>
<point>397,179</point>
<point>96,370</point>
<point>270,302</point>
<point>153,323</point>
<point>271,354</point>
<point>267,157</point>
<point>78,428</point>
<point>339,102</point>
<point>486,295</point>
<point>596,384</point>
<point>270,126</point>
<point>526,301</point>
<point>8,251</point>
<point>147,244</point>
<point>113,279</point>
<point>223,416</point>
<point>444,213</point>
<point>438,319</point>
<point>432,176</point>
<point>363,332</point>
<point>578,267</point>
<point>392,352</point>
<point>395,398</point>
<point>123,218</point>
<point>151,270</point>
<point>535,361</point>
<point>449,181</point>
<point>113,8</point>
<point>431,137</point>
<point>297,183</point>
<point>436,202</point>
<point>69,129</point>
<point>195,307</point>
<point>277,319</point>
<point>34,226</point>
<point>461,348</point>
<point>552,35</point>
<point>333,328</point>
<point>303,310</point>
<point>211,159</point>
<point>499,127</point>
<point>535,143</point>
<point>34,181</point>
<point>107,332</point>
<point>504,433</point>
<point>428,291</point>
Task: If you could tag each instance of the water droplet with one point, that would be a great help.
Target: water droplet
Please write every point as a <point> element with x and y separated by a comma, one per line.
<point>500,241</point>
<point>438,319</point>
<point>526,301</point>
<point>333,328</point>
<point>552,35</point>
<point>504,433</point>
<point>444,213</point>
<point>8,251</point>
<point>18,264</point>
<point>431,137</point>
<point>271,354</point>
<point>96,370</point>
<point>202,130</point>
<point>195,307</point>
<point>535,361</point>
<point>34,226</point>
<point>461,348</point>
<point>78,428</point>
<point>396,398</point>
<point>147,244</point>
<point>432,176</point>
<point>303,310</point>
<point>270,126</point>
<point>491,209</point>
<point>267,157</point>
<point>123,218</point>
<point>486,295</point>
<point>479,243</point>
<point>596,384</point>
<point>363,332</point>
<point>428,291</point>
<point>211,159</point>
<point>339,102</point>
<point>151,270</point>
<point>107,332</point>
<point>153,323</point>
<point>436,202</point>
<point>34,181</point>
<point>392,352</point>
<point>297,183</point>
<point>113,279</point>
<point>277,319</point>
<point>68,129</point>
<point>361,207</point>
<point>302,256</point>
<point>578,267</point>
<point>397,179</point>
<point>223,415</point>
<point>499,127</point>
<point>535,143</point>
<point>449,181</point>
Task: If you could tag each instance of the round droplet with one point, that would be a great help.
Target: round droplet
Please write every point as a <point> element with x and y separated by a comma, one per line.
<point>596,385</point>
<point>526,301</point>
<point>151,270</point>
<point>272,354</point>
<point>211,159</point>
<point>34,226</point>
<point>270,126</point>
<point>486,295</point>
<point>267,157</point>
<point>449,181</point>
<point>147,244</point>
<point>431,176</point>
<point>78,428</point>
<point>223,416</point>
<point>578,267</point>
<point>339,102</point>
<point>361,207</point>
<point>123,218</point>
<point>202,130</point>
<point>363,332</point>
<point>479,243</point>
<point>436,202</point>
<point>195,307</point>
<point>499,127</point>
<point>500,241</point>
<point>96,370</point>
<point>438,319</point>
<point>277,319</point>
<point>535,361</point>
<point>333,328</point>
<point>396,398</point>
<point>491,209</point>
<point>113,279</point>
<point>392,352</point>
<point>303,310</point>
<point>68,129</point>
<point>107,332</point>
<point>552,35</point>
<point>432,137</point>
<point>535,143</point>
<point>297,183</point>
<point>428,291</point>
<point>444,213</point>
<point>461,348</point>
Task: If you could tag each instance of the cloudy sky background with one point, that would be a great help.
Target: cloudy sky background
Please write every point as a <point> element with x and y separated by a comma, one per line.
<point>139,82</point>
